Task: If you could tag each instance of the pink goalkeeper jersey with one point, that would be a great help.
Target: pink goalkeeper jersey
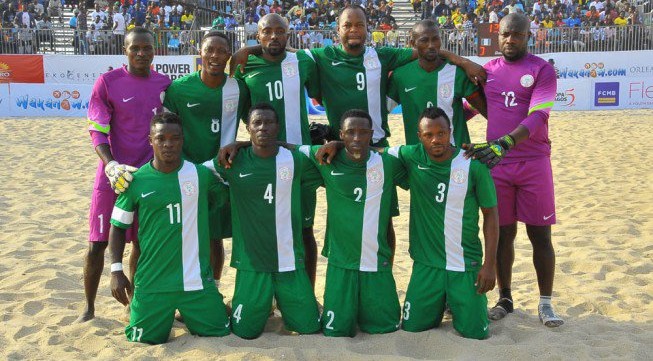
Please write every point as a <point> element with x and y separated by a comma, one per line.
<point>119,114</point>
<point>520,92</point>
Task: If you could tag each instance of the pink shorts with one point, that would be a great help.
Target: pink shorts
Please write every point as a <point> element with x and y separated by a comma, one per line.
<point>525,192</point>
<point>102,203</point>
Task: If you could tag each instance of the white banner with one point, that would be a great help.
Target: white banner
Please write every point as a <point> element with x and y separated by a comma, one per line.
<point>573,95</point>
<point>49,100</point>
<point>4,100</point>
<point>83,69</point>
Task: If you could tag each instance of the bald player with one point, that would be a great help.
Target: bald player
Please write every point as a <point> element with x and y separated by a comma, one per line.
<point>520,92</point>
<point>122,103</point>
<point>281,79</point>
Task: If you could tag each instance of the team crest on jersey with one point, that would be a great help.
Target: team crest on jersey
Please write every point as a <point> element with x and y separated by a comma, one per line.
<point>285,174</point>
<point>230,105</point>
<point>459,176</point>
<point>373,175</point>
<point>188,188</point>
<point>445,91</point>
<point>371,62</point>
<point>289,70</point>
<point>527,81</point>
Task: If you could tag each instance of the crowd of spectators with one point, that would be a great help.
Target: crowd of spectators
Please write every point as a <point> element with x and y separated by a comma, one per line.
<point>99,26</point>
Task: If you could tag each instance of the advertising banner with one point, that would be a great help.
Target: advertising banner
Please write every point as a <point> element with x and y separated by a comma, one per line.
<point>49,100</point>
<point>573,95</point>
<point>21,69</point>
<point>4,99</point>
<point>82,69</point>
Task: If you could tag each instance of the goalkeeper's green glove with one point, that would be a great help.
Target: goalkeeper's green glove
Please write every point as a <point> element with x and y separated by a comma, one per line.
<point>120,175</point>
<point>491,152</point>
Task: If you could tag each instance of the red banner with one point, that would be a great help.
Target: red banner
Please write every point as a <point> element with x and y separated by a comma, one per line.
<point>21,69</point>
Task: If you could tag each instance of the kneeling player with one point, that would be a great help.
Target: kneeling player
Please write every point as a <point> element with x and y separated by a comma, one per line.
<point>265,184</point>
<point>446,191</point>
<point>172,199</point>
<point>360,184</point>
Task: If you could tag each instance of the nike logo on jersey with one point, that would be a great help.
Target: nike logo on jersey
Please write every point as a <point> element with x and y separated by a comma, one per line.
<point>334,173</point>
<point>226,325</point>
<point>549,216</point>
<point>336,63</point>
<point>409,89</point>
<point>143,195</point>
<point>241,175</point>
<point>485,328</point>
<point>126,100</point>
<point>253,74</point>
<point>307,218</point>
<point>397,325</point>
<point>489,80</point>
<point>422,168</point>
<point>192,105</point>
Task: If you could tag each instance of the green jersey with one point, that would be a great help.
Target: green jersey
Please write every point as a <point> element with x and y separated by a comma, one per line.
<point>444,202</point>
<point>266,208</point>
<point>416,89</point>
<point>359,196</point>
<point>173,231</point>
<point>209,115</point>
<point>358,82</point>
<point>283,85</point>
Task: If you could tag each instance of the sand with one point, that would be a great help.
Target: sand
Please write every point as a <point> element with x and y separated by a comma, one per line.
<point>603,239</point>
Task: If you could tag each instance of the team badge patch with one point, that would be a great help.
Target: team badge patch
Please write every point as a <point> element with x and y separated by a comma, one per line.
<point>459,176</point>
<point>527,81</point>
<point>445,91</point>
<point>188,188</point>
<point>373,175</point>
<point>289,70</point>
<point>371,62</point>
<point>230,105</point>
<point>285,174</point>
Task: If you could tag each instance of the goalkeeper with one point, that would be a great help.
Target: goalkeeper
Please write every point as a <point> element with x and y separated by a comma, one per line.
<point>122,103</point>
<point>520,93</point>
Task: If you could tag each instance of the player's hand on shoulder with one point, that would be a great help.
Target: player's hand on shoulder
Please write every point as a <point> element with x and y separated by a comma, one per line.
<point>121,288</point>
<point>476,73</point>
<point>490,153</point>
<point>227,154</point>
<point>120,175</point>
<point>238,58</point>
<point>328,151</point>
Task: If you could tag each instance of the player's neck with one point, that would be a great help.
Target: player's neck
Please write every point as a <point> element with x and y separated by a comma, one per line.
<point>265,151</point>
<point>166,167</point>
<point>141,73</point>
<point>357,51</point>
<point>429,66</point>
<point>516,59</point>
<point>445,156</point>
<point>357,157</point>
<point>273,58</point>
<point>212,81</point>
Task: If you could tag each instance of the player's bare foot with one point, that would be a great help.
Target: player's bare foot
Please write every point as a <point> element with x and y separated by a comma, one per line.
<point>88,315</point>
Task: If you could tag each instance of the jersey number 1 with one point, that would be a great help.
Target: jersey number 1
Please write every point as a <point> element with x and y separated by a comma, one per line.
<point>177,207</point>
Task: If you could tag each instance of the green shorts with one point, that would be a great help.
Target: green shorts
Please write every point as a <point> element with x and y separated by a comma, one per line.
<point>366,299</point>
<point>253,298</point>
<point>220,221</point>
<point>431,288</point>
<point>309,202</point>
<point>152,314</point>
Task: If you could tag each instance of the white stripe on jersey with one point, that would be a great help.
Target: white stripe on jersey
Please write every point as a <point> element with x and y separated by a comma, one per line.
<point>453,213</point>
<point>446,87</point>
<point>190,245</point>
<point>306,149</point>
<point>230,103</point>
<point>122,216</point>
<point>373,194</point>
<point>282,209</point>
<point>373,86</point>
<point>292,90</point>
<point>394,151</point>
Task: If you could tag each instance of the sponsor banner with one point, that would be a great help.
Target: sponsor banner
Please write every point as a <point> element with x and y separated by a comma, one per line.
<point>49,100</point>
<point>573,95</point>
<point>82,69</point>
<point>601,65</point>
<point>21,69</point>
<point>606,94</point>
<point>636,93</point>
<point>4,100</point>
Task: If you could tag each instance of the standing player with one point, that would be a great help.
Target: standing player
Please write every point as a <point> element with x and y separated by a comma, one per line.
<point>268,251</point>
<point>446,191</point>
<point>431,81</point>
<point>520,90</point>
<point>360,290</point>
<point>210,104</point>
<point>172,198</point>
<point>122,103</point>
<point>282,79</point>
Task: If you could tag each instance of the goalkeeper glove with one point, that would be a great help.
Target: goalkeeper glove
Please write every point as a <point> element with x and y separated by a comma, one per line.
<point>493,151</point>
<point>120,175</point>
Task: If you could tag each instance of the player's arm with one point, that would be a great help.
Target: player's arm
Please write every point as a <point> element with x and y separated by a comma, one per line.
<point>122,218</point>
<point>486,276</point>
<point>328,151</point>
<point>239,58</point>
<point>474,72</point>
<point>228,153</point>
<point>478,102</point>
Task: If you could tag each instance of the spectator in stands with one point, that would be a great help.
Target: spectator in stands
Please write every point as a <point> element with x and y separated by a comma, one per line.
<point>44,35</point>
<point>230,23</point>
<point>593,15</point>
<point>515,7</point>
<point>9,15</point>
<point>276,8</point>
<point>25,19</point>
<point>621,19</point>
<point>494,16</point>
<point>547,22</point>
<point>263,5</point>
<point>251,28</point>
<point>119,27</point>
<point>38,8</point>
<point>378,36</point>
<point>572,21</point>
<point>82,27</point>
<point>218,22</point>
<point>187,18</point>
<point>441,9</point>
<point>98,12</point>
<point>296,11</point>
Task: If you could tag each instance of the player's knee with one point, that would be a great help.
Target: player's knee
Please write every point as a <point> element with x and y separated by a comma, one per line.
<point>96,249</point>
<point>475,331</point>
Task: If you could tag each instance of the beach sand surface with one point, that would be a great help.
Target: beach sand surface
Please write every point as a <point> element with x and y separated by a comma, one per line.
<point>603,240</point>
